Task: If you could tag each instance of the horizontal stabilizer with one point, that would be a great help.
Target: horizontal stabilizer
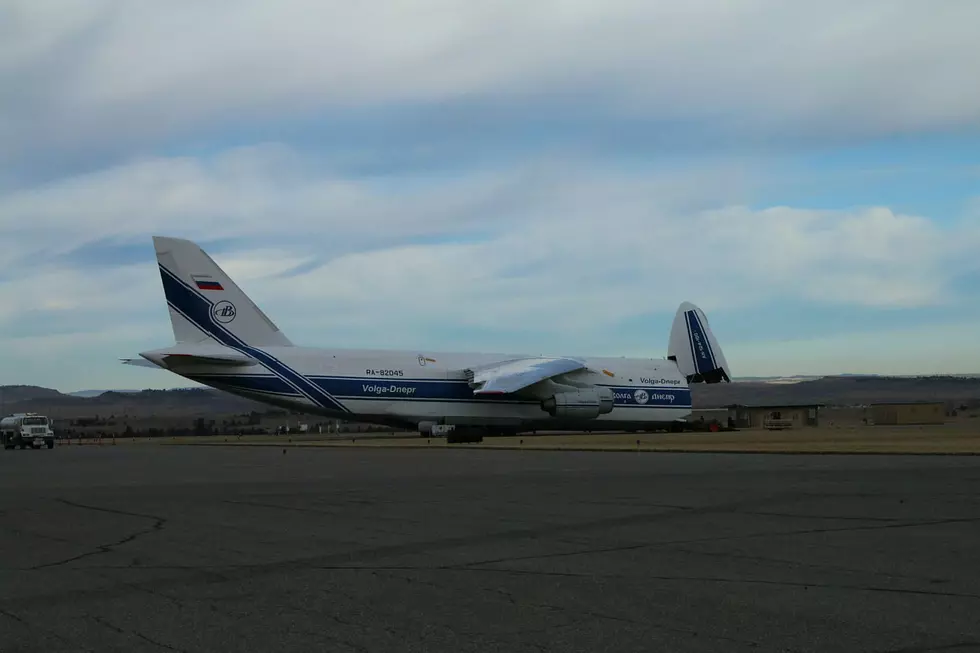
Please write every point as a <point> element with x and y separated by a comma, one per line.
<point>513,375</point>
<point>138,362</point>
<point>234,361</point>
<point>695,349</point>
<point>183,356</point>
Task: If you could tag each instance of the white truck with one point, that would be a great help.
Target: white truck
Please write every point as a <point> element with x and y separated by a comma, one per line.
<point>26,430</point>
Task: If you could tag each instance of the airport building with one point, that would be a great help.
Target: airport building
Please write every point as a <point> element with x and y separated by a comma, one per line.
<point>719,415</point>
<point>775,416</point>
<point>907,413</point>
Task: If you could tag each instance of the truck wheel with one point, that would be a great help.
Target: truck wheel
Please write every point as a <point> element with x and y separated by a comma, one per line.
<point>50,444</point>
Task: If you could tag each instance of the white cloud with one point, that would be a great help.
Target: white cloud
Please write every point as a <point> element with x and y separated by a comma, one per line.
<point>901,350</point>
<point>868,257</point>
<point>561,253</point>
<point>89,73</point>
<point>245,193</point>
<point>63,292</point>
<point>557,248</point>
<point>580,272</point>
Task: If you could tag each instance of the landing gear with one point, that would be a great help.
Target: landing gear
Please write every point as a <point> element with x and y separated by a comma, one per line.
<point>464,434</point>
<point>454,433</point>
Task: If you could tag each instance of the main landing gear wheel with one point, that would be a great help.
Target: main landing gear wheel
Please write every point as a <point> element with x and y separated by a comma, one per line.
<point>458,436</point>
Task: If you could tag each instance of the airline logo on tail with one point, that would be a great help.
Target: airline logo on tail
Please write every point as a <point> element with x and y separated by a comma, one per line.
<point>224,312</point>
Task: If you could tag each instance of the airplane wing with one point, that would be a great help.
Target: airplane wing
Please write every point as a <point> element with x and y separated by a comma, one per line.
<point>513,375</point>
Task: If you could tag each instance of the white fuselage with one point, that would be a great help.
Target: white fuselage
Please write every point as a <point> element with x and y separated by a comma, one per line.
<point>406,388</point>
<point>222,339</point>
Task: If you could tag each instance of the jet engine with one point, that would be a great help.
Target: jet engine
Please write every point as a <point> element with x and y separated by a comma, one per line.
<point>581,404</point>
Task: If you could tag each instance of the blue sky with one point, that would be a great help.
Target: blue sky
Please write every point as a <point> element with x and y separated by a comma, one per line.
<point>499,176</point>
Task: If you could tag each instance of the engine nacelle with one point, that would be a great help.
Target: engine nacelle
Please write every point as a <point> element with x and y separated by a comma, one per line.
<point>581,404</point>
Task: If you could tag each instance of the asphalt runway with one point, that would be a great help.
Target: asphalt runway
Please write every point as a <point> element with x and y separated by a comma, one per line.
<point>181,548</point>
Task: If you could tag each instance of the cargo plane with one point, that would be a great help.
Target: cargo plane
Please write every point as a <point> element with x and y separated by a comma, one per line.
<point>223,340</point>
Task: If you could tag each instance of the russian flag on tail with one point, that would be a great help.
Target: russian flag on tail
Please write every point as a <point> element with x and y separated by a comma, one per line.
<point>206,283</point>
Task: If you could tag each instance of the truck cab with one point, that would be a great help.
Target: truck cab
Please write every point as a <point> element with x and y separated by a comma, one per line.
<point>26,430</point>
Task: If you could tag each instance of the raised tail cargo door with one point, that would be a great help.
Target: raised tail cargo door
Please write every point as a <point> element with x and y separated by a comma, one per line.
<point>695,349</point>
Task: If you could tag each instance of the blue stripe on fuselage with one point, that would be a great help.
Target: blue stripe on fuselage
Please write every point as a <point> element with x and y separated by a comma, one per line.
<point>433,390</point>
<point>197,309</point>
<point>323,390</point>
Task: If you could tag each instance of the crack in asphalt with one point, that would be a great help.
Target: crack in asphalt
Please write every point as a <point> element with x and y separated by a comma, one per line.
<point>100,549</point>
<point>134,633</point>
<point>206,574</point>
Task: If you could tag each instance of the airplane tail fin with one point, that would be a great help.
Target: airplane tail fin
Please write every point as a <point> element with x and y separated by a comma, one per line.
<point>695,349</point>
<point>205,304</point>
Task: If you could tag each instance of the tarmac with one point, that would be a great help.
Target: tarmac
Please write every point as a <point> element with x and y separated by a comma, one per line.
<point>958,438</point>
<point>181,548</point>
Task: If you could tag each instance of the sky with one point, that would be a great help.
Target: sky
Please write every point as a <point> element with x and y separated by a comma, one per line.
<point>497,176</point>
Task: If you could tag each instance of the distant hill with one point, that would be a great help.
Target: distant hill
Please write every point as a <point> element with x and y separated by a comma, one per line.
<point>770,379</point>
<point>184,402</point>
<point>96,393</point>
<point>845,390</point>
<point>13,394</point>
